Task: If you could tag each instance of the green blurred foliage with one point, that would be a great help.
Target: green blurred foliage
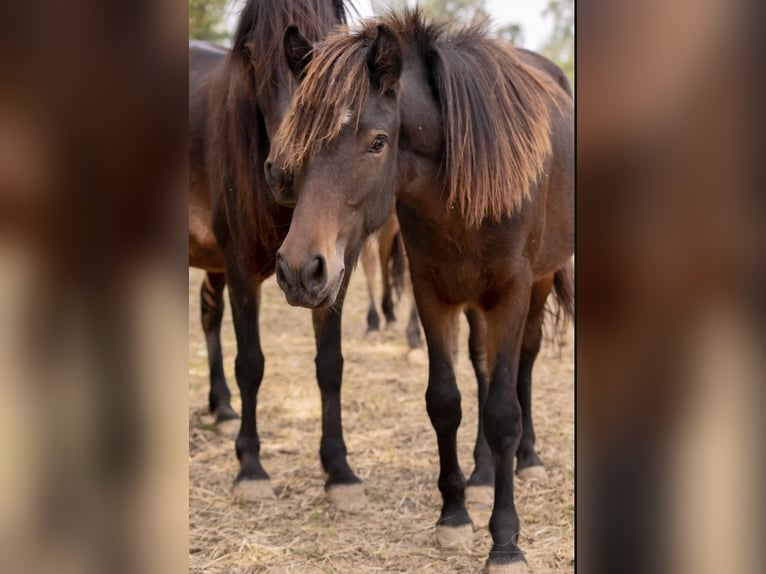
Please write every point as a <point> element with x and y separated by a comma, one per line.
<point>206,20</point>
<point>513,32</point>
<point>462,10</point>
<point>560,44</point>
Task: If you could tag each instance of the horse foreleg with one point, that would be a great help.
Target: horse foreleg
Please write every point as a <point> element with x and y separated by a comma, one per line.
<point>502,418</point>
<point>342,486</point>
<point>440,323</point>
<point>252,481</point>
<point>211,310</point>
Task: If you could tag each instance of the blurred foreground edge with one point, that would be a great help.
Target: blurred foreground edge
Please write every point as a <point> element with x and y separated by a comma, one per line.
<point>669,288</point>
<point>92,252</point>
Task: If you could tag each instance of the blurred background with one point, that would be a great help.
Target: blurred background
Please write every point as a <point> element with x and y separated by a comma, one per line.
<point>670,280</point>
<point>546,26</point>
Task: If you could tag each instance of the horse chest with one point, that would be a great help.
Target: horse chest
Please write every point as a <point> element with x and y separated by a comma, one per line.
<point>450,267</point>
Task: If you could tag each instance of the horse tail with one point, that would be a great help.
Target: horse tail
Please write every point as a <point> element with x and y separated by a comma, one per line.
<point>397,265</point>
<point>564,309</point>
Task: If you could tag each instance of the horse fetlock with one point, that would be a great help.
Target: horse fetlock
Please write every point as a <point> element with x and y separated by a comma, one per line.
<point>224,413</point>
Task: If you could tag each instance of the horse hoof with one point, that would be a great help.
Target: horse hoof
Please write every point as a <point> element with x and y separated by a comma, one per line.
<point>228,428</point>
<point>253,491</point>
<point>533,474</point>
<point>455,536</point>
<point>347,497</point>
<point>417,357</point>
<point>479,501</point>
<point>519,567</point>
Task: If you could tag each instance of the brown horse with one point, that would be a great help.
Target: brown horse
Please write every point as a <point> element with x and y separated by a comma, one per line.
<point>474,139</point>
<point>236,102</point>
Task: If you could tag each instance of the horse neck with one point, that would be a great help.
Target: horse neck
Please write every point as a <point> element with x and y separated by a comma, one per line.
<point>421,140</point>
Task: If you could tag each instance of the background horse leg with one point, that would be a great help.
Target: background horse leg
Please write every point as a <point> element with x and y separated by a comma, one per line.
<point>480,491</point>
<point>414,341</point>
<point>416,355</point>
<point>391,254</point>
<point>502,419</point>
<point>252,482</point>
<point>369,264</point>
<point>440,323</point>
<point>529,466</point>
<point>343,486</point>
<point>211,309</point>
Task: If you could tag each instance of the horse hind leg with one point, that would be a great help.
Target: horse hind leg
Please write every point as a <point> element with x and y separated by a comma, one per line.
<point>480,491</point>
<point>369,266</point>
<point>392,262</point>
<point>416,354</point>
<point>529,466</point>
<point>211,310</point>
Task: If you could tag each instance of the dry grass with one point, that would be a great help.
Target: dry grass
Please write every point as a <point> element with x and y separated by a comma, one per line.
<point>392,447</point>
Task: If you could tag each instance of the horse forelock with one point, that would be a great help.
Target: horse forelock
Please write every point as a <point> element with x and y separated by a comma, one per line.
<point>330,97</point>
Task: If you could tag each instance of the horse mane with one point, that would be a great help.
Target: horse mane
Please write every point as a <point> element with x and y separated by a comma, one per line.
<point>495,108</point>
<point>239,142</point>
<point>261,27</point>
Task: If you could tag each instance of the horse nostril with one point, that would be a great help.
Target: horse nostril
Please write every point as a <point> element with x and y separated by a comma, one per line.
<point>314,274</point>
<point>283,272</point>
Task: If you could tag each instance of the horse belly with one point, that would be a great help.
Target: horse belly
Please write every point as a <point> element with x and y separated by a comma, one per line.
<point>204,251</point>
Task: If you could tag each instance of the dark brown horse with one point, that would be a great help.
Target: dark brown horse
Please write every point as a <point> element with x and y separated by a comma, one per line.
<point>236,101</point>
<point>474,139</point>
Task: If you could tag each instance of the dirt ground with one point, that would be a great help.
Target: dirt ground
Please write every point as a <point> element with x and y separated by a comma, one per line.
<point>391,446</point>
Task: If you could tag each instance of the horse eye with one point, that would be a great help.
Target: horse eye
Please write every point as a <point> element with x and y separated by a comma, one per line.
<point>377,144</point>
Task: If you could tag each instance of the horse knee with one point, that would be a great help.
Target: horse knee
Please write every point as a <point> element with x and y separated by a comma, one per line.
<point>329,369</point>
<point>502,424</point>
<point>248,366</point>
<point>443,406</point>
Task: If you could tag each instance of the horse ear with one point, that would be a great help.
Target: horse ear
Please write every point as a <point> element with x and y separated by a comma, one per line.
<point>384,59</point>
<point>297,51</point>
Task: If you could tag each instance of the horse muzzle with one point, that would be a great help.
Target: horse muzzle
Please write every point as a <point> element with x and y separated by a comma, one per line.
<point>309,285</point>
